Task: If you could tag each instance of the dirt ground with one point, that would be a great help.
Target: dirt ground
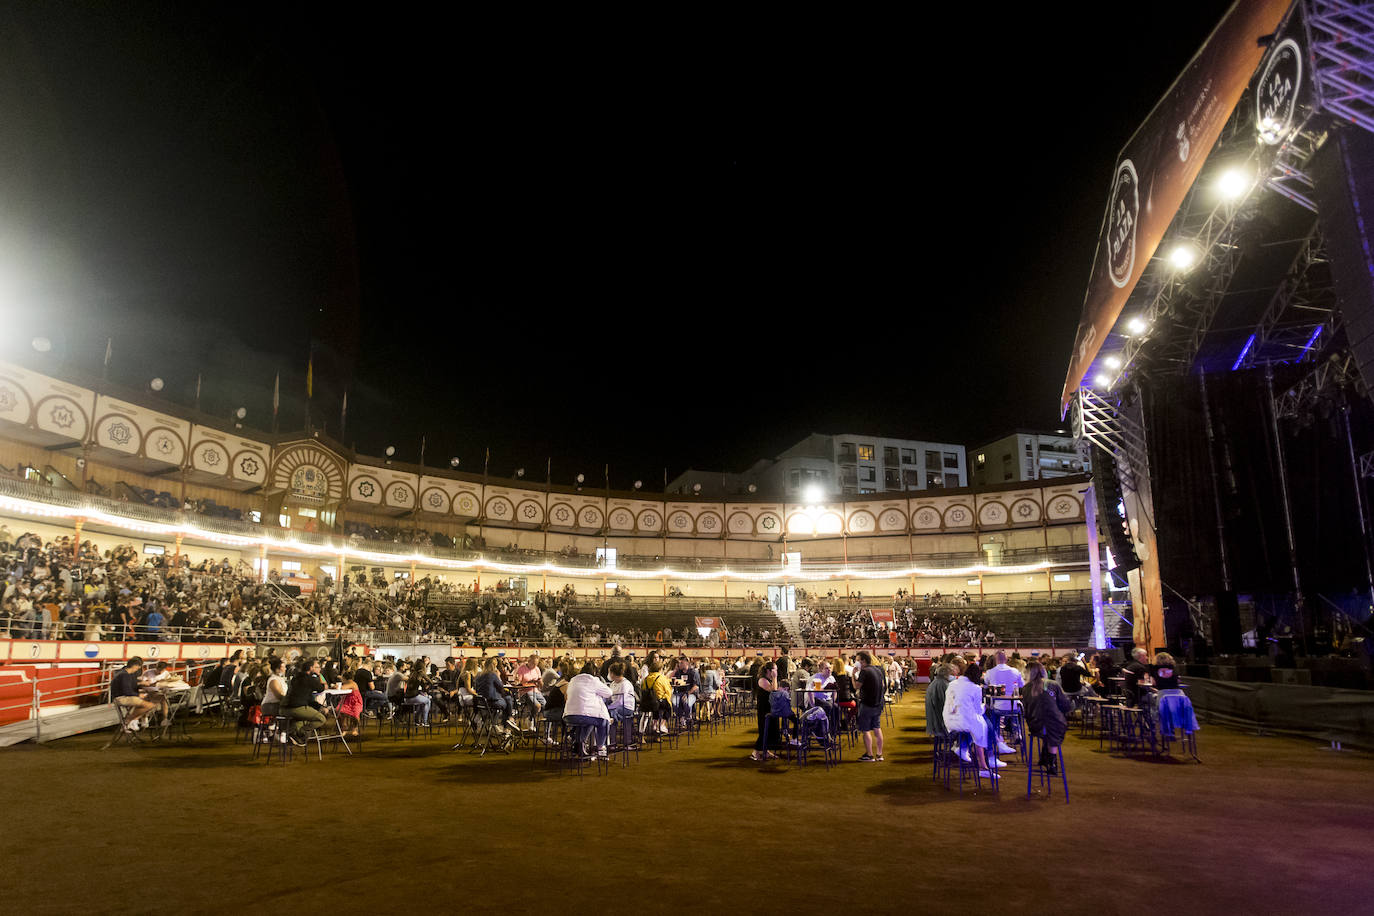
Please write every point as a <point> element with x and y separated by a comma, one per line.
<point>1263,825</point>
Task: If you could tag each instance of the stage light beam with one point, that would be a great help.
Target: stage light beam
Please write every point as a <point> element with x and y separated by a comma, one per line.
<point>1233,184</point>
<point>1183,256</point>
<point>1137,325</point>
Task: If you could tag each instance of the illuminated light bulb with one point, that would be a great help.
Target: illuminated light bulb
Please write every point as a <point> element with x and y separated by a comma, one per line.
<point>1233,184</point>
<point>1102,380</point>
<point>1112,362</point>
<point>1137,325</point>
<point>1183,257</point>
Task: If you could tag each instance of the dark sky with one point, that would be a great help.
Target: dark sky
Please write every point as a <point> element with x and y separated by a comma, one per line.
<point>654,249</point>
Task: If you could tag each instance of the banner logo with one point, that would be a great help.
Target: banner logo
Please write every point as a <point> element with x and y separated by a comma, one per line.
<point>1122,221</point>
<point>91,650</point>
<point>1277,96</point>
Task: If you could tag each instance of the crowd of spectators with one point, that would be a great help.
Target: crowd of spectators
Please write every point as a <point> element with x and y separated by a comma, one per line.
<point>855,626</point>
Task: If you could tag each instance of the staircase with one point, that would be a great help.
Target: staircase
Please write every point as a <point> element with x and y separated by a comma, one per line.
<point>62,724</point>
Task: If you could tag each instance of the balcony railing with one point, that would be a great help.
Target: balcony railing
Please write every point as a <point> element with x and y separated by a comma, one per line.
<point>330,544</point>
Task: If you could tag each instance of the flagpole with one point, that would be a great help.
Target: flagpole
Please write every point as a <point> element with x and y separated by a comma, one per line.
<point>276,399</point>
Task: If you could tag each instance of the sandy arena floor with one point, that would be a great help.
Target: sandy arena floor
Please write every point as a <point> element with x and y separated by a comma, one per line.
<point>1263,825</point>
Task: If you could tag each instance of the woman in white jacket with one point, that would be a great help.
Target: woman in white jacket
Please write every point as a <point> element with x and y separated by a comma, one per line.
<point>964,712</point>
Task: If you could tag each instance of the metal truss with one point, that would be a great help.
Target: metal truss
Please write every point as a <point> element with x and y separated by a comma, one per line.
<point>1367,465</point>
<point>1287,176</point>
<point>1342,48</point>
<point>1301,314</point>
<point>1327,379</point>
<point>1103,422</point>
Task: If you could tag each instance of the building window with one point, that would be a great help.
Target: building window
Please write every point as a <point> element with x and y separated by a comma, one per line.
<point>255,516</point>
<point>796,479</point>
<point>156,550</point>
<point>1028,449</point>
<point>868,475</point>
<point>908,456</point>
<point>889,454</point>
<point>865,453</point>
<point>863,490</point>
<point>290,566</point>
<point>910,480</point>
<point>934,480</point>
<point>951,459</point>
<point>892,479</point>
<point>982,460</point>
<point>846,451</point>
<point>308,513</point>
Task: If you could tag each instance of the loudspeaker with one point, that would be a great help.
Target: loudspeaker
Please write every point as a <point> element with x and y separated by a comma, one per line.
<point>1107,486</point>
<point>1343,185</point>
<point>1228,622</point>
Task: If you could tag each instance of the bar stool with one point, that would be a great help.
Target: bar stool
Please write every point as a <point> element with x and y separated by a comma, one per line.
<point>965,740</point>
<point>1046,777</point>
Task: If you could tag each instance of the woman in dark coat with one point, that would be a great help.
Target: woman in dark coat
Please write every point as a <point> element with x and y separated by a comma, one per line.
<point>1046,707</point>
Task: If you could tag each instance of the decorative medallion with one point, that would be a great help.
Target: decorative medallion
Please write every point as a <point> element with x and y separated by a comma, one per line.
<point>62,416</point>
<point>210,457</point>
<point>8,399</point>
<point>249,466</point>
<point>366,489</point>
<point>119,432</point>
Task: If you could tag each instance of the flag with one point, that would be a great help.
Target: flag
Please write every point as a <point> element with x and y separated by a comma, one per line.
<point>310,376</point>
<point>109,347</point>
<point>276,399</point>
<point>343,416</point>
<point>486,462</point>
<point>422,451</point>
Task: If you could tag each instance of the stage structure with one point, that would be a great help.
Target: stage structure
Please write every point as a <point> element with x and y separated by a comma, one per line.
<point>1227,334</point>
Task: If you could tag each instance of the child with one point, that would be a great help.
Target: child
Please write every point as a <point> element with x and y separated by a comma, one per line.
<point>351,709</point>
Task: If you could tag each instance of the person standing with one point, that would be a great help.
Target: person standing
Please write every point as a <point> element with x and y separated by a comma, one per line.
<point>872,690</point>
<point>764,685</point>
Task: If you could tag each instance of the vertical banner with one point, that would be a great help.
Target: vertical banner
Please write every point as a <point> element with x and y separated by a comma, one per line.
<point>1160,163</point>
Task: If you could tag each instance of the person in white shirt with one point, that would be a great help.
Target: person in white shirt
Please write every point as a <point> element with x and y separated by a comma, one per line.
<point>964,712</point>
<point>1010,680</point>
<point>586,706</point>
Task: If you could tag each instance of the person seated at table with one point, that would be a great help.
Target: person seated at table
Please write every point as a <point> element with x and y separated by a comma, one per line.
<point>657,693</point>
<point>467,681</point>
<point>940,674</point>
<point>125,693</point>
<point>1073,677</point>
<point>531,678</point>
<point>445,693</point>
<point>965,712</point>
<point>712,693</point>
<point>846,698</point>
<point>1133,671</point>
<point>274,691</point>
<point>1008,678</point>
<point>363,677</point>
<point>350,709</point>
<point>623,694</point>
<point>817,694</point>
<point>491,687</point>
<point>686,686</point>
<point>1175,709</point>
<point>414,694</point>
<point>1106,668</point>
<point>1046,709</point>
<point>301,704</point>
<point>586,707</point>
<point>555,694</point>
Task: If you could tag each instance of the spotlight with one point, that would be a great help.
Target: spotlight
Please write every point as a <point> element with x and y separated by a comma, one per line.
<point>390,450</point>
<point>696,488</point>
<point>753,488</point>
<point>812,494</point>
<point>581,478</point>
<point>1137,325</point>
<point>1233,184</point>
<point>454,462</point>
<point>1183,256</point>
<point>241,412</point>
<point>1102,380</point>
<point>42,344</point>
<point>1112,362</point>
<point>155,384</point>
<point>638,484</point>
<point>519,472</point>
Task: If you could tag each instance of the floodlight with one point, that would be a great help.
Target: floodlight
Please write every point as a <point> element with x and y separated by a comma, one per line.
<point>581,478</point>
<point>1137,325</point>
<point>1112,362</point>
<point>1233,183</point>
<point>813,494</point>
<point>696,488</point>
<point>390,450</point>
<point>454,462</point>
<point>155,384</point>
<point>241,412</point>
<point>519,472</point>
<point>638,484</point>
<point>1102,380</point>
<point>1183,256</point>
<point>753,488</point>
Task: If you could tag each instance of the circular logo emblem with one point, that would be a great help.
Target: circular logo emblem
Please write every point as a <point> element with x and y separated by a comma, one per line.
<point>436,499</point>
<point>91,650</point>
<point>1276,98</point>
<point>1122,213</point>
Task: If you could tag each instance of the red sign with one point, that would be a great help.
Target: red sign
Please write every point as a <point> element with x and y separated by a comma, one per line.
<point>708,623</point>
<point>307,586</point>
<point>884,616</point>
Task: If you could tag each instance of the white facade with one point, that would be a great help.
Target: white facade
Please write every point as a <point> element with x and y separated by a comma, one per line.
<point>1027,455</point>
<point>850,464</point>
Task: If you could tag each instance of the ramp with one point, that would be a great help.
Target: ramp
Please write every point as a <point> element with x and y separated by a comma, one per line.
<point>61,725</point>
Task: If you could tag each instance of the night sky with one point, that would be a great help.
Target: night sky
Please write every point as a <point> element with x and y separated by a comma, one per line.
<point>689,249</point>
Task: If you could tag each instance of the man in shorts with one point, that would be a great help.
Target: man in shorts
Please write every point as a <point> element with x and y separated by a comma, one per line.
<point>124,692</point>
<point>872,690</point>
